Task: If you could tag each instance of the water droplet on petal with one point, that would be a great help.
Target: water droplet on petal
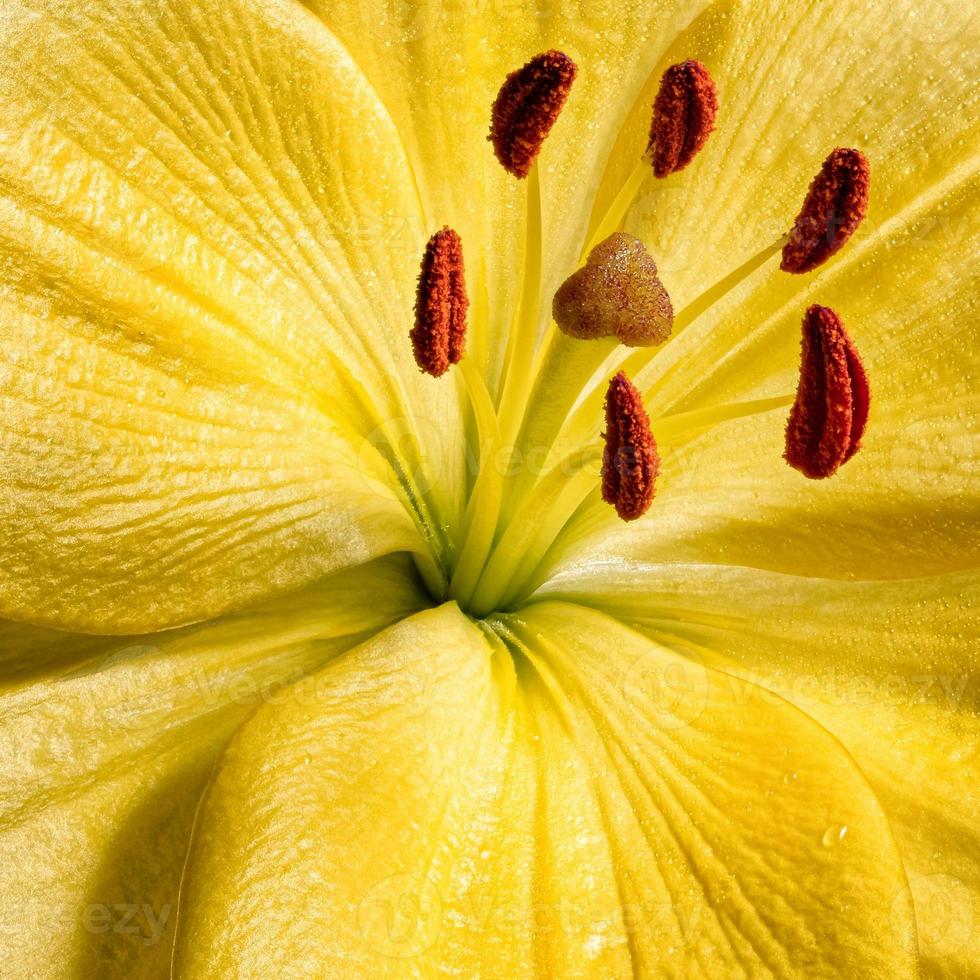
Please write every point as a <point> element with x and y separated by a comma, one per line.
<point>833,835</point>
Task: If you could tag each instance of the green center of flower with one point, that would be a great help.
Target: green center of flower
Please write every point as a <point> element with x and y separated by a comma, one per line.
<point>544,462</point>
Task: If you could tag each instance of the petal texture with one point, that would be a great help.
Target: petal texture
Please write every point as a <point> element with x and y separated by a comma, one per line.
<point>905,504</point>
<point>446,807</point>
<point>888,667</point>
<point>106,753</point>
<point>438,67</point>
<point>208,244</point>
<point>793,83</point>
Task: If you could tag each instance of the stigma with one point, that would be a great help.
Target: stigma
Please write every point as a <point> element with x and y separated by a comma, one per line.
<point>617,293</point>
<point>439,335</point>
<point>829,415</point>
<point>683,117</point>
<point>630,462</point>
<point>526,108</point>
<point>835,205</point>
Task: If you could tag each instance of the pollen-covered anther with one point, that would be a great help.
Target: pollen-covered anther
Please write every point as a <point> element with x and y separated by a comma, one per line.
<point>526,108</point>
<point>439,335</point>
<point>629,462</point>
<point>831,408</point>
<point>616,293</point>
<point>834,207</point>
<point>683,117</point>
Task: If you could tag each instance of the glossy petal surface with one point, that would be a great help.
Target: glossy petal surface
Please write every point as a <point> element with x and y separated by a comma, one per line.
<point>890,668</point>
<point>107,745</point>
<point>208,244</point>
<point>439,810</point>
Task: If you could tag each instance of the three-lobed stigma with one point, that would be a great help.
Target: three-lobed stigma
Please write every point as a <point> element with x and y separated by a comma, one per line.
<point>617,293</point>
<point>828,417</point>
<point>526,108</point>
<point>439,335</point>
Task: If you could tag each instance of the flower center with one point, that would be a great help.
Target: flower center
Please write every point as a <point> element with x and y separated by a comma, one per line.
<point>543,464</point>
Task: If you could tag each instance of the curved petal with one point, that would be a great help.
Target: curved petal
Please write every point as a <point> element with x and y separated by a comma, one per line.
<point>438,67</point>
<point>795,80</point>
<point>793,83</point>
<point>106,753</point>
<point>446,809</point>
<point>889,667</point>
<point>906,504</point>
<point>208,243</point>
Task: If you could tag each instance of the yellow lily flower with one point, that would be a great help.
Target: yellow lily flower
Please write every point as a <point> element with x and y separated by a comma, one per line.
<point>316,665</point>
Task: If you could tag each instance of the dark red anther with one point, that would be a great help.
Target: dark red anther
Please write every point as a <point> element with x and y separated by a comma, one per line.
<point>683,116</point>
<point>629,462</point>
<point>831,409</point>
<point>835,205</point>
<point>526,108</point>
<point>439,334</point>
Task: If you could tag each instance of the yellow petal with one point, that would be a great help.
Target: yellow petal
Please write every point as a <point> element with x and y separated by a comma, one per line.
<point>794,81</point>
<point>887,667</point>
<point>208,243</point>
<point>105,757</point>
<point>905,505</point>
<point>438,67</point>
<point>443,809</point>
